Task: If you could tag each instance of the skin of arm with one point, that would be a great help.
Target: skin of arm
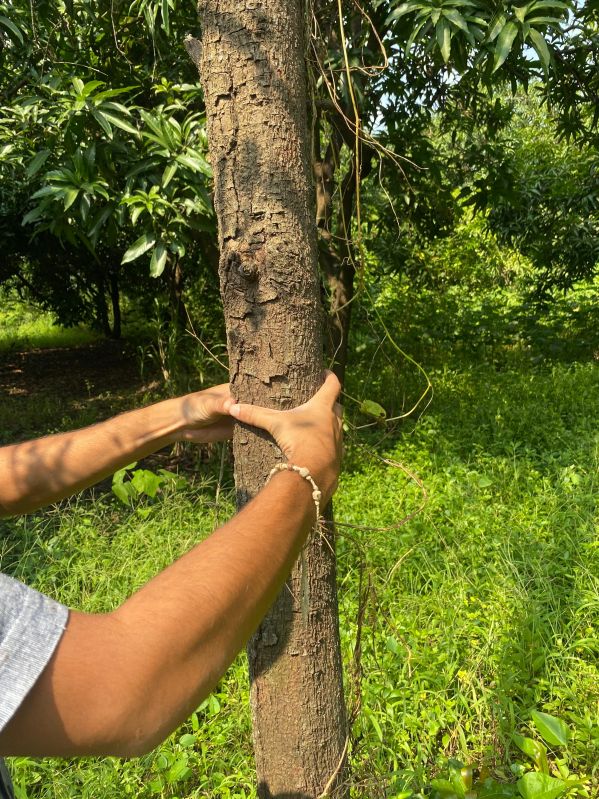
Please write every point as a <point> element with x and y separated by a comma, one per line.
<point>120,682</point>
<point>37,473</point>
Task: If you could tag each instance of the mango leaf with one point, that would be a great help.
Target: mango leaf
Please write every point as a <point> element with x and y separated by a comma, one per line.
<point>10,26</point>
<point>504,44</point>
<point>188,162</point>
<point>158,261</point>
<point>457,19</point>
<point>548,4</point>
<point>142,245</point>
<point>540,45</point>
<point>495,28</point>
<point>33,215</point>
<point>371,408</point>
<point>540,786</point>
<point>443,32</point>
<point>106,95</point>
<point>90,87</point>
<point>535,750</point>
<point>520,13</point>
<point>36,163</point>
<point>119,122</point>
<point>165,17</point>
<point>404,8</point>
<point>168,174</point>
<point>70,195</point>
<point>551,729</point>
<point>102,121</point>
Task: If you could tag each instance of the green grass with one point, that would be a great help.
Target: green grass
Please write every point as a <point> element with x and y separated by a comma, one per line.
<point>482,607</point>
<point>23,328</point>
<point>486,604</point>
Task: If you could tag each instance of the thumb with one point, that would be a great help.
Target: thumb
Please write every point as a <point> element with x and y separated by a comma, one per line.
<point>254,415</point>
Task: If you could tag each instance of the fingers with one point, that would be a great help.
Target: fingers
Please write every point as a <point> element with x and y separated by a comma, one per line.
<point>216,400</point>
<point>251,414</point>
<point>329,391</point>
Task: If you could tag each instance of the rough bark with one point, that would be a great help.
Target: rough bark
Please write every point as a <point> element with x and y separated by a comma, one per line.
<point>252,64</point>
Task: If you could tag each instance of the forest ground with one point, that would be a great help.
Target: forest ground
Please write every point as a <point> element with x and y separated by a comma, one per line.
<point>479,606</point>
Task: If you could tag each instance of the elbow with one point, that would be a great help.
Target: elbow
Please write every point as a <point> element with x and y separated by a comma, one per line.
<point>124,731</point>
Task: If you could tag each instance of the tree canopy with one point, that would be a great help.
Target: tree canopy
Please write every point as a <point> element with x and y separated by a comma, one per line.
<point>104,179</point>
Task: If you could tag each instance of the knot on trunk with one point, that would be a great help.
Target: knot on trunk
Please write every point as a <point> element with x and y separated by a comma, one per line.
<point>244,262</point>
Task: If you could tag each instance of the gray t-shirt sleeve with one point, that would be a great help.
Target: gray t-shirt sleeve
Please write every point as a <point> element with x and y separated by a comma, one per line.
<point>31,626</point>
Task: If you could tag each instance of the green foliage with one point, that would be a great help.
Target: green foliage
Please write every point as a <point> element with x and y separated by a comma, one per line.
<point>452,28</point>
<point>97,158</point>
<point>22,327</point>
<point>542,198</point>
<point>130,484</point>
<point>477,664</point>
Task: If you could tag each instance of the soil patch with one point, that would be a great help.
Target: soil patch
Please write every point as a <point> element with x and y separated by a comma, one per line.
<point>78,373</point>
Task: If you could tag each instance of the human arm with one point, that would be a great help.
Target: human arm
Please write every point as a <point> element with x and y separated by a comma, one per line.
<point>118,683</point>
<point>37,473</point>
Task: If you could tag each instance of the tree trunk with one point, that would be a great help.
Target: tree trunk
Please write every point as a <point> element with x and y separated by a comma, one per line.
<point>251,60</point>
<point>101,308</point>
<point>115,300</point>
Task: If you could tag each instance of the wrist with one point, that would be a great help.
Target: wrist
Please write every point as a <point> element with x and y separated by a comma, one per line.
<point>304,473</point>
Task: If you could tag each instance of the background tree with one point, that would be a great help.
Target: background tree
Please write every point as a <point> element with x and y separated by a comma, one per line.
<point>105,169</point>
<point>542,197</point>
<point>383,72</point>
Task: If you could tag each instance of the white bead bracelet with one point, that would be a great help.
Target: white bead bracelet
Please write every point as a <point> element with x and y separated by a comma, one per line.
<point>305,473</point>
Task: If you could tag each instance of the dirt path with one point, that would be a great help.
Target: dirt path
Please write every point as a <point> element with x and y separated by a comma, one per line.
<point>78,373</point>
<point>46,390</point>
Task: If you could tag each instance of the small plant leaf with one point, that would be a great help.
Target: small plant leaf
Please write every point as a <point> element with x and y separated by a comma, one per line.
<point>540,786</point>
<point>535,750</point>
<point>371,408</point>
<point>146,482</point>
<point>445,789</point>
<point>550,728</point>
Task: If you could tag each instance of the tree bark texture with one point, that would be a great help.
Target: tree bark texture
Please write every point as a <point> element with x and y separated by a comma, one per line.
<point>252,65</point>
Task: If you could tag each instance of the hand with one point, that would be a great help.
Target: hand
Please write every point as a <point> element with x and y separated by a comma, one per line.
<point>309,435</point>
<point>204,415</point>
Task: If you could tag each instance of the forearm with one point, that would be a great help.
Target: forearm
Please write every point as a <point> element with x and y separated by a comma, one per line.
<point>120,683</point>
<point>36,473</point>
<point>193,618</point>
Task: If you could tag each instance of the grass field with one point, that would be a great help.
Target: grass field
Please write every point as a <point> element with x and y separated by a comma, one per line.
<point>482,608</point>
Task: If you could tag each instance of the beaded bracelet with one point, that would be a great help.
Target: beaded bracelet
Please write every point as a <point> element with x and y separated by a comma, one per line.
<point>305,473</point>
